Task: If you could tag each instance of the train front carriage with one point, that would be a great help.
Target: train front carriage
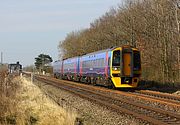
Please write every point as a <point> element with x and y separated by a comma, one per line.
<point>125,67</point>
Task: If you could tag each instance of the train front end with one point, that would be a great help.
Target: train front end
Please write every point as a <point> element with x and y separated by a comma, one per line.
<point>125,67</point>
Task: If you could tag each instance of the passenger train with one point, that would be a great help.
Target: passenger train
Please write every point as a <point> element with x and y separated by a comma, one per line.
<point>117,67</point>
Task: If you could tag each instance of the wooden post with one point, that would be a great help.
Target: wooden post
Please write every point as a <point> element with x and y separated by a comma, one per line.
<point>32,79</point>
<point>179,61</point>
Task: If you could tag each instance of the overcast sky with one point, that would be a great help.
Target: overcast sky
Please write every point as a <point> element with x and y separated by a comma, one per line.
<point>31,27</point>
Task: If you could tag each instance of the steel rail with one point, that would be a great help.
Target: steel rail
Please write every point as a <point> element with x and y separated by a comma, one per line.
<point>122,105</point>
<point>171,103</point>
<point>160,95</point>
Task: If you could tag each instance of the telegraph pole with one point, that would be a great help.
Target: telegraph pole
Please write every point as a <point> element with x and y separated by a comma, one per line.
<point>1,58</point>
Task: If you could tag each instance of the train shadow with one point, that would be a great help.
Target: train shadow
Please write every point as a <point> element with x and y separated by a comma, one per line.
<point>127,89</point>
<point>119,89</point>
<point>150,85</point>
<point>157,86</point>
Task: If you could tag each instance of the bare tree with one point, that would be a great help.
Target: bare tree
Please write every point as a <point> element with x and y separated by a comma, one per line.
<point>153,26</point>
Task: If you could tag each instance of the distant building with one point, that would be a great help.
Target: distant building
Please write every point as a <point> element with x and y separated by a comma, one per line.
<point>14,68</point>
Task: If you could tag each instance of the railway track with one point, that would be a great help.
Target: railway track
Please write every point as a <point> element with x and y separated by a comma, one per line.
<point>145,113</point>
<point>160,95</point>
<point>173,100</point>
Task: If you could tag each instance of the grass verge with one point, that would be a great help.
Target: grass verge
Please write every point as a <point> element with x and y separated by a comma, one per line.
<point>23,103</point>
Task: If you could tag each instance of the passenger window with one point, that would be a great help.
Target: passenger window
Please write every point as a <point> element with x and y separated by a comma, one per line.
<point>116,58</point>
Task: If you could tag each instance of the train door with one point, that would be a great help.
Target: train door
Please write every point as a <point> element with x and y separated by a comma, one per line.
<point>127,56</point>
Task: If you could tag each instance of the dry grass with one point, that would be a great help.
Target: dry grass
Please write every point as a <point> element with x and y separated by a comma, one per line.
<point>41,107</point>
<point>23,103</point>
<point>8,99</point>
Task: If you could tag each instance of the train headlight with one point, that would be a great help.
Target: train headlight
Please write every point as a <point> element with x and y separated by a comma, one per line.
<point>127,80</point>
<point>115,68</point>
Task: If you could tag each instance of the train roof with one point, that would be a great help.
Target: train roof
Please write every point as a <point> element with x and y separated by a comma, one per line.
<point>97,52</point>
<point>100,51</point>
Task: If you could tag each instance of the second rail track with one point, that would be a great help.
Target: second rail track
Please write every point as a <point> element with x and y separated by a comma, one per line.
<point>145,113</point>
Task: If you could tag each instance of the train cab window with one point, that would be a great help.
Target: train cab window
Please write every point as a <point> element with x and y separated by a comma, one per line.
<point>116,58</point>
<point>137,60</point>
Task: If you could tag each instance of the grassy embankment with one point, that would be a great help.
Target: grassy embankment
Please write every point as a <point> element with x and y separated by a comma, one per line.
<point>23,103</point>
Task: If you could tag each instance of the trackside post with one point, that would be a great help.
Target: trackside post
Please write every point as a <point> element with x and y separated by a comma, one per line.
<point>32,77</point>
